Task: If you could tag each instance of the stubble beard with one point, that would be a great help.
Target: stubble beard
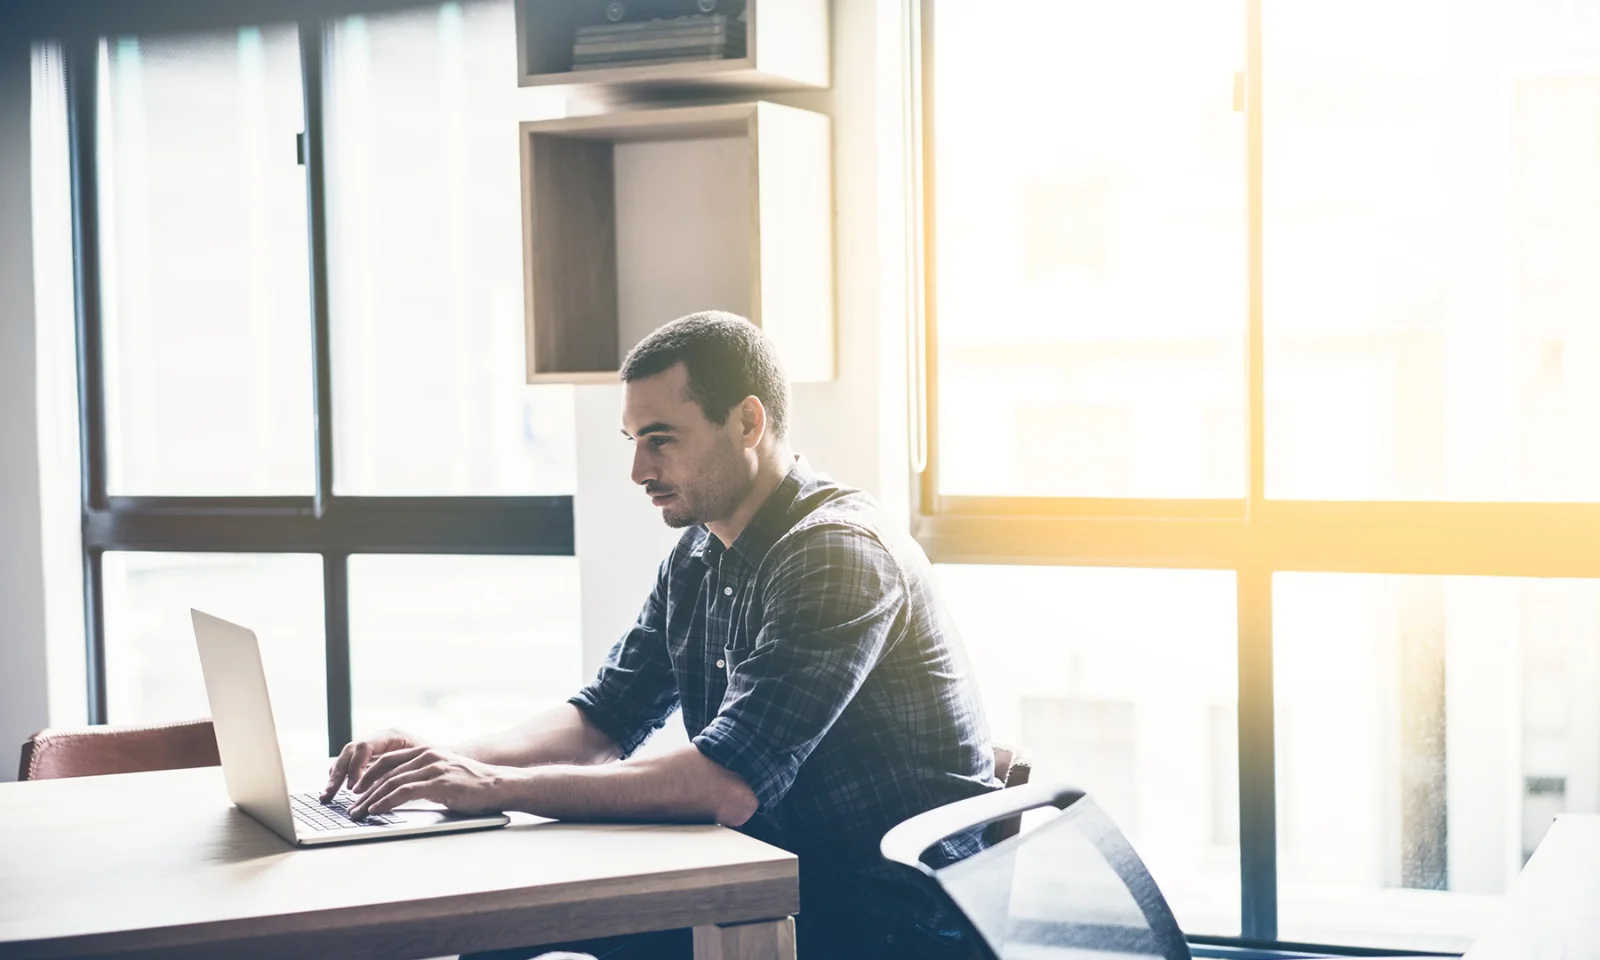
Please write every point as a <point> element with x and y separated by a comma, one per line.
<point>724,488</point>
<point>678,520</point>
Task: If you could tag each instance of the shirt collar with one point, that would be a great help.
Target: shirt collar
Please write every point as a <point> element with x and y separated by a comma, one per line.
<point>770,522</point>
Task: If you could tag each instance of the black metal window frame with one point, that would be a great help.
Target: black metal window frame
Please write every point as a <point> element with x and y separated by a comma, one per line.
<point>1254,536</point>
<point>326,524</point>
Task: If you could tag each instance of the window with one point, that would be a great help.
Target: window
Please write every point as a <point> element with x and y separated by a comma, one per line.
<point>1430,316</point>
<point>1464,724</point>
<point>152,668</point>
<point>203,245</point>
<point>1296,294</point>
<point>1063,370</point>
<point>305,406</point>
<point>426,230</point>
<point>453,647</point>
<point>1115,696</point>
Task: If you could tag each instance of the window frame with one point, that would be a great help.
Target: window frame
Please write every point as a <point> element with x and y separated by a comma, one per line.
<point>1254,536</point>
<point>331,526</point>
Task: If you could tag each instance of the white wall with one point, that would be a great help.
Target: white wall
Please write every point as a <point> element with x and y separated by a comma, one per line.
<point>24,678</point>
<point>853,427</point>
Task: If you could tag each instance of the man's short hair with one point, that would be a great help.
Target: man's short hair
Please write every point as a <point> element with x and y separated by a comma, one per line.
<point>727,358</point>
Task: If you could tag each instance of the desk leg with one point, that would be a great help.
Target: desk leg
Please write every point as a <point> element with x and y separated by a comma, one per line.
<point>765,940</point>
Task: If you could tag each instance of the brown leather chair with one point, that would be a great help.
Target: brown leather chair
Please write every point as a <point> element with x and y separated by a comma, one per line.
<point>1011,767</point>
<point>93,751</point>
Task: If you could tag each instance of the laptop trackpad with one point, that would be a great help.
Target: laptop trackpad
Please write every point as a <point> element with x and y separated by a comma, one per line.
<point>426,812</point>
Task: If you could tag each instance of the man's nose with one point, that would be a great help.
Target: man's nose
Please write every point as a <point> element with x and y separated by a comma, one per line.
<point>643,470</point>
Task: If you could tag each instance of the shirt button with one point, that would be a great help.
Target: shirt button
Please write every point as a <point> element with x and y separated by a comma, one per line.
<point>727,591</point>
<point>720,664</point>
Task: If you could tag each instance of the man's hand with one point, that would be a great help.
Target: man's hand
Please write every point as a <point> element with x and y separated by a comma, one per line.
<point>429,773</point>
<point>353,759</point>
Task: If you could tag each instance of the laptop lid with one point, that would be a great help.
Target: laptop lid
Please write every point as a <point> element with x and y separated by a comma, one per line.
<point>241,712</point>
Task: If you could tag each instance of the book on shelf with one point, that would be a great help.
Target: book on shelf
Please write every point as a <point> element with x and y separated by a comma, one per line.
<point>639,60</point>
<point>691,23</point>
<point>649,42</point>
<point>647,46</point>
<point>658,42</point>
<point>655,62</point>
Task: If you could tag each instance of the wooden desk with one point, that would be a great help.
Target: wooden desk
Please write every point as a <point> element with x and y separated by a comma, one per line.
<point>162,865</point>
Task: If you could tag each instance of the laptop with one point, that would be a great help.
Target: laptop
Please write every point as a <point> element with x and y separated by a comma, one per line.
<point>247,740</point>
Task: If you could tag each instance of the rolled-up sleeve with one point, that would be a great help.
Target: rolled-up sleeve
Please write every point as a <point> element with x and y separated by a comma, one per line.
<point>832,605</point>
<point>635,690</point>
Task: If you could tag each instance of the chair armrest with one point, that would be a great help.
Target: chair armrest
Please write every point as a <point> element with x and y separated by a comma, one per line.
<point>906,842</point>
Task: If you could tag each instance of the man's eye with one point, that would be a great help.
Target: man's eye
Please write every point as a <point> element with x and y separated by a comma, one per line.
<point>660,441</point>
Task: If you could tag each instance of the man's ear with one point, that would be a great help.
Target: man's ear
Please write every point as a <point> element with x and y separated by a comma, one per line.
<point>752,421</point>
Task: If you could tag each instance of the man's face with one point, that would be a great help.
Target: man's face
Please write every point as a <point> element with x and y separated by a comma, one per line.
<point>696,471</point>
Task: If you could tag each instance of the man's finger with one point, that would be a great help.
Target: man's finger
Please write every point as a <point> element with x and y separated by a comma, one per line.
<point>386,789</point>
<point>390,783</point>
<point>358,761</point>
<point>336,773</point>
<point>384,764</point>
<point>381,765</point>
<point>403,794</point>
<point>359,755</point>
<point>417,762</point>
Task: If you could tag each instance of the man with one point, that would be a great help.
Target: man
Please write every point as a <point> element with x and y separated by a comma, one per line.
<point>825,690</point>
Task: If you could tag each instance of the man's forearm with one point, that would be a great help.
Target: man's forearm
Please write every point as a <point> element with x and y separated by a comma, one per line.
<point>677,785</point>
<point>562,734</point>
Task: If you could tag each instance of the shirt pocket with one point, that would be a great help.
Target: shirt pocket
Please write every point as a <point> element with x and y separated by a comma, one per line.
<point>736,652</point>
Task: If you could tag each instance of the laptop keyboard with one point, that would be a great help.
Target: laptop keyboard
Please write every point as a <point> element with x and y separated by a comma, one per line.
<point>311,812</point>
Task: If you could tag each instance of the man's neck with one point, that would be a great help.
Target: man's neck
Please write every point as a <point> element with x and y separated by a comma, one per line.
<point>768,475</point>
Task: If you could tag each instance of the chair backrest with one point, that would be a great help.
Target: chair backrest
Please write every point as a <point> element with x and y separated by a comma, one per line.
<point>1012,767</point>
<point>1071,887</point>
<point>93,751</point>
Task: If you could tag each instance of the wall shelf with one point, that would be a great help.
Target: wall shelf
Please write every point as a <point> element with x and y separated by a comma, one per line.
<point>631,219</point>
<point>787,45</point>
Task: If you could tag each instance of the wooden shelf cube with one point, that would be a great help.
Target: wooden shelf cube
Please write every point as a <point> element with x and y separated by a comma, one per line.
<point>632,219</point>
<point>786,48</point>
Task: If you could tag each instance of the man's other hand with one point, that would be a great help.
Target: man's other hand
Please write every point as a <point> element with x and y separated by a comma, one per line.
<point>428,773</point>
<point>353,759</point>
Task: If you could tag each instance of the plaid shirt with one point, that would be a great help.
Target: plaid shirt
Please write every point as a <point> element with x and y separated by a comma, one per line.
<point>813,659</point>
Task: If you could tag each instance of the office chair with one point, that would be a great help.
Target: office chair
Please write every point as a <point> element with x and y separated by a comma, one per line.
<point>1071,887</point>
<point>93,751</point>
<point>1012,767</point>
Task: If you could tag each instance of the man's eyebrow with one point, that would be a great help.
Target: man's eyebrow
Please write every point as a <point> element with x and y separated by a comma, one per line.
<point>649,428</point>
